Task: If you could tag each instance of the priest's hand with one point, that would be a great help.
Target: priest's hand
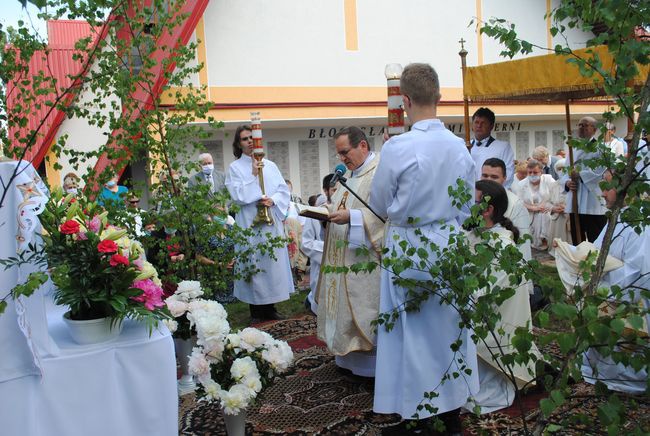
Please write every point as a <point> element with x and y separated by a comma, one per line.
<point>266,201</point>
<point>340,216</point>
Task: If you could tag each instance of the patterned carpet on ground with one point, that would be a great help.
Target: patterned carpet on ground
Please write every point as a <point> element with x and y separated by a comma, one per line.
<point>314,398</point>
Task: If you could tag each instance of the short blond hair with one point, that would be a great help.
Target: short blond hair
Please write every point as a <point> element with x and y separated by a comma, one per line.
<point>420,83</point>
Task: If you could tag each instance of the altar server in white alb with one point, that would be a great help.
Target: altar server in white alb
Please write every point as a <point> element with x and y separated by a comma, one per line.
<point>632,249</point>
<point>485,146</point>
<point>274,282</point>
<point>411,181</point>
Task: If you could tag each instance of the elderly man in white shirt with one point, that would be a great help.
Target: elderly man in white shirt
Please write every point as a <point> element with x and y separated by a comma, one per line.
<point>485,146</point>
<point>584,184</point>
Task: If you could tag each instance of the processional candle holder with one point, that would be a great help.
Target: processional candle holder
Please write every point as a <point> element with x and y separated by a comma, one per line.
<point>263,214</point>
<point>393,73</point>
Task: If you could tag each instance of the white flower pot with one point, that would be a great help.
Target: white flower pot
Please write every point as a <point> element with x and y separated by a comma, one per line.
<point>184,347</point>
<point>92,331</point>
<point>235,424</point>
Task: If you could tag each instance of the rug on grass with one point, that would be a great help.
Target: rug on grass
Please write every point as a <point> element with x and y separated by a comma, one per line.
<point>314,398</point>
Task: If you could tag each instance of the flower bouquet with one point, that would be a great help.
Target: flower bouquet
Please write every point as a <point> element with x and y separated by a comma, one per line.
<point>232,367</point>
<point>178,305</point>
<point>98,271</point>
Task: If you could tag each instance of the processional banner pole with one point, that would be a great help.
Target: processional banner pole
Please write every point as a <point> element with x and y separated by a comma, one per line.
<point>393,73</point>
<point>463,62</point>
<point>263,214</point>
<point>575,219</point>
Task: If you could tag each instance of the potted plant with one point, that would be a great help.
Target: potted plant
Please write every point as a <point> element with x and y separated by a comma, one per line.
<point>232,367</point>
<point>98,272</point>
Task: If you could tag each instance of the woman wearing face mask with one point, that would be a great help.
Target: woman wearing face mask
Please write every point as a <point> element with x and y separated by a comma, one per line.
<point>536,191</point>
<point>113,193</point>
<point>71,184</point>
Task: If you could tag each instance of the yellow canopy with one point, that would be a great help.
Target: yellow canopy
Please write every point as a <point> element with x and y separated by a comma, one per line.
<point>539,78</point>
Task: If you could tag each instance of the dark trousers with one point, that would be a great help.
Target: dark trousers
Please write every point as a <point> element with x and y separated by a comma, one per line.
<point>590,227</point>
<point>262,311</point>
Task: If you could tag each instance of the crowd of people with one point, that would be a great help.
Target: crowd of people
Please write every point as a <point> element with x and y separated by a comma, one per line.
<point>401,195</point>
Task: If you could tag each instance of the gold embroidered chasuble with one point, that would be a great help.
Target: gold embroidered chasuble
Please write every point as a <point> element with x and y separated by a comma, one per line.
<point>348,303</point>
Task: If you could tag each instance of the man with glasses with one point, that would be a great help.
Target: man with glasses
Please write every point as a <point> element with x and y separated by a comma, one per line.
<point>348,303</point>
<point>412,182</point>
<point>273,282</point>
<point>585,184</point>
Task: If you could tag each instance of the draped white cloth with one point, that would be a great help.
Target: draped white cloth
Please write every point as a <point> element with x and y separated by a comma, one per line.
<point>274,282</point>
<point>24,339</point>
<point>411,181</point>
<point>124,387</point>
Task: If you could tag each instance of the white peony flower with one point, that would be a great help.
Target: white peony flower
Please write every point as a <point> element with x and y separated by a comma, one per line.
<point>198,364</point>
<point>279,355</point>
<point>171,324</point>
<point>233,340</point>
<point>252,383</point>
<point>189,290</point>
<point>213,350</point>
<point>244,367</point>
<point>176,307</point>
<point>236,398</point>
<point>252,338</point>
<point>212,389</point>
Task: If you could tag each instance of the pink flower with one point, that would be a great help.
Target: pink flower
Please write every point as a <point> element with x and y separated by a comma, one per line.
<point>107,246</point>
<point>94,224</point>
<point>139,263</point>
<point>81,236</point>
<point>151,294</point>
<point>118,259</point>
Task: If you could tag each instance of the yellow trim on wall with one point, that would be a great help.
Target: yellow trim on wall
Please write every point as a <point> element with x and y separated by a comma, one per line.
<point>351,31</point>
<point>53,175</point>
<point>479,35</point>
<point>549,38</point>
<point>202,55</point>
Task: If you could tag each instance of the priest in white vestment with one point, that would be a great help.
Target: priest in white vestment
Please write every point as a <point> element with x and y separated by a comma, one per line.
<point>497,388</point>
<point>348,303</point>
<point>274,281</point>
<point>411,182</point>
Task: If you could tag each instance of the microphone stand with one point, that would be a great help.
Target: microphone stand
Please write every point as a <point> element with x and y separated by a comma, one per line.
<point>342,180</point>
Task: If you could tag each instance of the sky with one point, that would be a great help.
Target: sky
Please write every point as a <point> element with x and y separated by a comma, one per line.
<point>12,11</point>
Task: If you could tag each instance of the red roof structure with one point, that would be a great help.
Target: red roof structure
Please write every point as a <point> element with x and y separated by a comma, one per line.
<point>57,63</point>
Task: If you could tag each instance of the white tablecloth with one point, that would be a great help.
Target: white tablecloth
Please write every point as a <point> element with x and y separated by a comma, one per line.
<point>120,388</point>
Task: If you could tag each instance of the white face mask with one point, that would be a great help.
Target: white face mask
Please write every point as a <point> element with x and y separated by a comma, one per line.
<point>534,179</point>
<point>71,191</point>
<point>207,169</point>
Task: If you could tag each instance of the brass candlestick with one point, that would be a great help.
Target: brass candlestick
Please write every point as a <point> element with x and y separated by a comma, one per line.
<point>263,215</point>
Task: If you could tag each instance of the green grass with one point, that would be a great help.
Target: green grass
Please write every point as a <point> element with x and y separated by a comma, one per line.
<point>239,315</point>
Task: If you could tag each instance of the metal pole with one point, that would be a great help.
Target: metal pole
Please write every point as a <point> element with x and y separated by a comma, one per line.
<point>575,219</point>
<point>463,61</point>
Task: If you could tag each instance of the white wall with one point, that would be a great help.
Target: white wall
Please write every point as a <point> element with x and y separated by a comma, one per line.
<point>302,43</point>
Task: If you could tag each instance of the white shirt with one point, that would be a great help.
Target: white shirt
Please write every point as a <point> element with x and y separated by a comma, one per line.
<point>488,148</point>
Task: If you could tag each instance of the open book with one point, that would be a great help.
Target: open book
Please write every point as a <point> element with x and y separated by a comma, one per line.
<point>319,213</point>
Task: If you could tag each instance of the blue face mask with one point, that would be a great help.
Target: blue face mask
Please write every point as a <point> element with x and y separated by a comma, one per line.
<point>534,179</point>
<point>170,231</point>
<point>219,220</point>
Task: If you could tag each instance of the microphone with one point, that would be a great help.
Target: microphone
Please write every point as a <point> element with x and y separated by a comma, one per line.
<point>338,175</point>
